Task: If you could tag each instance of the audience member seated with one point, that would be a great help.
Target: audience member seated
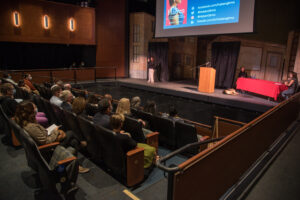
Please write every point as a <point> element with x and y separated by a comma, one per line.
<point>60,83</point>
<point>150,107</point>
<point>25,117</point>
<point>109,97</point>
<point>92,105</point>
<point>7,78</point>
<point>173,114</point>
<point>56,90</point>
<point>292,84</point>
<point>27,81</point>
<point>7,101</point>
<point>67,86</point>
<point>78,107</point>
<point>124,109</point>
<point>136,103</point>
<point>25,87</point>
<point>243,73</point>
<point>67,97</point>
<point>102,117</point>
<point>127,143</point>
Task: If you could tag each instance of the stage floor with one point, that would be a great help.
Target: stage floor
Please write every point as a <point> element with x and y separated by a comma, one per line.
<point>188,90</point>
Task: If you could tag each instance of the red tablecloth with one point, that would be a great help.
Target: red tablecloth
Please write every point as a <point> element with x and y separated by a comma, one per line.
<point>262,87</point>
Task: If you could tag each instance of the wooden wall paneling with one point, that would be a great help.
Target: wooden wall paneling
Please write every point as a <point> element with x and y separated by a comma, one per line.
<point>32,30</point>
<point>64,75</point>
<point>110,36</point>
<point>215,170</point>
<point>40,76</point>
<point>85,74</point>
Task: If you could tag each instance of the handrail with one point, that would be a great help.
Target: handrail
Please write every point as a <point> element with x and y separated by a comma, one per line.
<point>230,120</point>
<point>180,150</point>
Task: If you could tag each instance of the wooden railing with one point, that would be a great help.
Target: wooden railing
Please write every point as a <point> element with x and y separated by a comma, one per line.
<point>65,74</point>
<point>213,171</point>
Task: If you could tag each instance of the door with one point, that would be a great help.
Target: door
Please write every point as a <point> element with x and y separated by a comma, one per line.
<point>274,66</point>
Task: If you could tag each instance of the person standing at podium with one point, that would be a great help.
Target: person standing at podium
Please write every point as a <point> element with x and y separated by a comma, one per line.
<point>151,68</point>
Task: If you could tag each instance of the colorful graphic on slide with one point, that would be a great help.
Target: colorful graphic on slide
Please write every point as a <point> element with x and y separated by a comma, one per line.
<point>176,13</point>
<point>189,13</point>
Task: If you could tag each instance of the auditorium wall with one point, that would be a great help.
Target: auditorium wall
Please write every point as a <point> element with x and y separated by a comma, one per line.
<point>112,37</point>
<point>31,28</point>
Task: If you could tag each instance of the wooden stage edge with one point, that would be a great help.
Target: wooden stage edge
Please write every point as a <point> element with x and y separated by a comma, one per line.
<point>189,91</point>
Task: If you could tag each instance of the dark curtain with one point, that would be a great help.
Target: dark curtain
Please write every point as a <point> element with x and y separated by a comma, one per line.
<point>159,51</point>
<point>14,55</point>
<point>224,60</point>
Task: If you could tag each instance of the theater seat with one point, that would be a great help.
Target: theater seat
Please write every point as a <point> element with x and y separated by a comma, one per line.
<point>186,134</point>
<point>49,111</point>
<point>72,124</point>
<point>134,127</point>
<point>64,172</point>
<point>127,165</point>
<point>165,127</point>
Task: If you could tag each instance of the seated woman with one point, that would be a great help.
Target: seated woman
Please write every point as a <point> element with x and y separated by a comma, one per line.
<point>78,107</point>
<point>124,109</point>
<point>25,117</point>
<point>92,105</point>
<point>150,107</point>
<point>116,122</point>
<point>136,103</point>
<point>292,84</point>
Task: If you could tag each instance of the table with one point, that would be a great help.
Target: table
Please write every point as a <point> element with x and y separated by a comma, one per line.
<point>262,87</point>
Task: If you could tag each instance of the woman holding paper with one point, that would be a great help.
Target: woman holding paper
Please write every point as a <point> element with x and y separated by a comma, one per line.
<point>25,116</point>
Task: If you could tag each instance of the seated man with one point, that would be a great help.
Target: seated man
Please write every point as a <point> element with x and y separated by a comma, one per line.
<point>67,97</point>
<point>243,73</point>
<point>56,90</point>
<point>67,86</point>
<point>102,117</point>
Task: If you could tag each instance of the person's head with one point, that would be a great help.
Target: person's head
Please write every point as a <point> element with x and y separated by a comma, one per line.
<point>78,105</point>
<point>104,106</point>
<point>152,59</point>
<point>28,77</point>
<point>150,107</point>
<point>92,99</point>
<point>56,90</point>
<point>172,2</point>
<point>66,96</point>
<point>67,86</point>
<point>123,106</point>
<point>82,64</point>
<point>109,97</point>
<point>7,89</point>
<point>136,102</point>
<point>172,111</point>
<point>25,113</point>
<point>116,121</point>
<point>60,83</point>
<point>242,69</point>
<point>21,83</point>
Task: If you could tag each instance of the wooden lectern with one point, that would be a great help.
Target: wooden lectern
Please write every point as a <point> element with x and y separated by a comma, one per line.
<point>207,79</point>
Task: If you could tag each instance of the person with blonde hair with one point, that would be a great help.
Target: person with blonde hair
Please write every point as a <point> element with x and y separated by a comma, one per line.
<point>127,143</point>
<point>123,107</point>
<point>78,106</point>
<point>67,97</point>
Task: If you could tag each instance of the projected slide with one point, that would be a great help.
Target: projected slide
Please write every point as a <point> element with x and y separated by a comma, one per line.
<point>190,13</point>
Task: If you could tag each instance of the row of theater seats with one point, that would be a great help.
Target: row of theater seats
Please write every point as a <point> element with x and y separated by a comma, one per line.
<point>172,135</point>
<point>103,146</point>
<point>39,159</point>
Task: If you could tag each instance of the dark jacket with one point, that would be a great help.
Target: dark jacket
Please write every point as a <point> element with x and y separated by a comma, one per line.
<point>102,120</point>
<point>243,74</point>
<point>9,106</point>
<point>91,110</point>
<point>66,106</point>
<point>126,142</point>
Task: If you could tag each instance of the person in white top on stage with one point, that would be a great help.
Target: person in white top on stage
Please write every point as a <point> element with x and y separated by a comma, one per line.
<point>151,68</point>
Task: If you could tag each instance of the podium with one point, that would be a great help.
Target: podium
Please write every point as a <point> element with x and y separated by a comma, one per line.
<point>207,79</point>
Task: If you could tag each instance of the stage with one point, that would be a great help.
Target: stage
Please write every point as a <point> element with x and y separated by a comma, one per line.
<point>188,90</point>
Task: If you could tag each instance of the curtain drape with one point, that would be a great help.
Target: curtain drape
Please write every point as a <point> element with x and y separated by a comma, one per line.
<point>224,60</point>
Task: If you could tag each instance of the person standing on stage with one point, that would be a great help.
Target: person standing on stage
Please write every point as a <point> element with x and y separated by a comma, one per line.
<point>151,68</point>
<point>243,73</point>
